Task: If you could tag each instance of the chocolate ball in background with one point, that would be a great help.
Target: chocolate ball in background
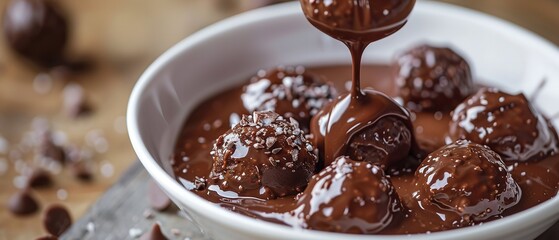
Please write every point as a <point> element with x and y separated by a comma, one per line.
<point>466,183</point>
<point>37,30</point>
<point>349,197</point>
<point>377,18</point>
<point>432,79</point>
<point>288,91</point>
<point>264,156</point>
<point>384,143</point>
<point>508,124</point>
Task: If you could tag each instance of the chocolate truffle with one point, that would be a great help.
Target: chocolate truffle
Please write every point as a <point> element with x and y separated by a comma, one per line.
<point>465,183</point>
<point>37,30</point>
<point>349,197</point>
<point>367,20</point>
<point>432,79</point>
<point>375,129</point>
<point>386,141</point>
<point>508,124</point>
<point>288,91</point>
<point>264,156</point>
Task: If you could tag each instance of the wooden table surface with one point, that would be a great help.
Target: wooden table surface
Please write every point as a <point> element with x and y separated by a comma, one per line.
<point>123,37</point>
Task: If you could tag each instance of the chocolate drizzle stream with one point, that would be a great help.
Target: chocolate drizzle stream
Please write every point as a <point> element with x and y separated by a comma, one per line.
<point>356,24</point>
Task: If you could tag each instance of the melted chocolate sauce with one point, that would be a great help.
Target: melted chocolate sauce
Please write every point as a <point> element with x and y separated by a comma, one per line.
<point>539,181</point>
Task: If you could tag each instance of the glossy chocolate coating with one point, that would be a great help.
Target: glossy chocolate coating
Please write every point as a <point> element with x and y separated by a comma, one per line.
<point>385,143</point>
<point>349,197</point>
<point>37,30</point>
<point>264,156</point>
<point>350,20</point>
<point>539,180</point>
<point>506,123</point>
<point>356,128</point>
<point>432,78</point>
<point>465,183</point>
<point>288,91</point>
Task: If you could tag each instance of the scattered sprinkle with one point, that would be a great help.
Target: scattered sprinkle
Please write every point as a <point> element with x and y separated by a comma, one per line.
<point>107,169</point>
<point>90,227</point>
<point>62,194</point>
<point>42,83</point>
<point>135,232</point>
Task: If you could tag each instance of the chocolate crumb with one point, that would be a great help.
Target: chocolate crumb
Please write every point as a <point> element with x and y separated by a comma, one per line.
<point>22,203</point>
<point>48,149</point>
<point>57,220</point>
<point>154,234</point>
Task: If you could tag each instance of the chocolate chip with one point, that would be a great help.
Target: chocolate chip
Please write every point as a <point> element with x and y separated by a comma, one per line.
<point>22,203</point>
<point>57,220</point>
<point>48,237</point>
<point>38,178</point>
<point>49,150</point>
<point>154,234</point>
<point>81,170</point>
<point>158,200</point>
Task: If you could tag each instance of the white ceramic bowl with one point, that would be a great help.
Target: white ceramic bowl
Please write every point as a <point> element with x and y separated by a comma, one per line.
<point>224,54</point>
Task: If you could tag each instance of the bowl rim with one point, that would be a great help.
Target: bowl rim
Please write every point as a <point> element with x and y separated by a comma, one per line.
<point>254,226</point>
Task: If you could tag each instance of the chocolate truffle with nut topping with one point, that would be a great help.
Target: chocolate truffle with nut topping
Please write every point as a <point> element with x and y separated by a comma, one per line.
<point>465,183</point>
<point>288,91</point>
<point>432,79</point>
<point>506,123</point>
<point>265,155</point>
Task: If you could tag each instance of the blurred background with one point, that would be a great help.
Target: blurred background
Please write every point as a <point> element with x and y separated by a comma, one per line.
<point>82,106</point>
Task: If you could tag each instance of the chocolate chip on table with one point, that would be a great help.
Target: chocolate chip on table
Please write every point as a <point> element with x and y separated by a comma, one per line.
<point>158,200</point>
<point>23,203</point>
<point>38,178</point>
<point>81,170</point>
<point>154,234</point>
<point>48,237</point>
<point>79,166</point>
<point>57,220</point>
<point>49,149</point>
